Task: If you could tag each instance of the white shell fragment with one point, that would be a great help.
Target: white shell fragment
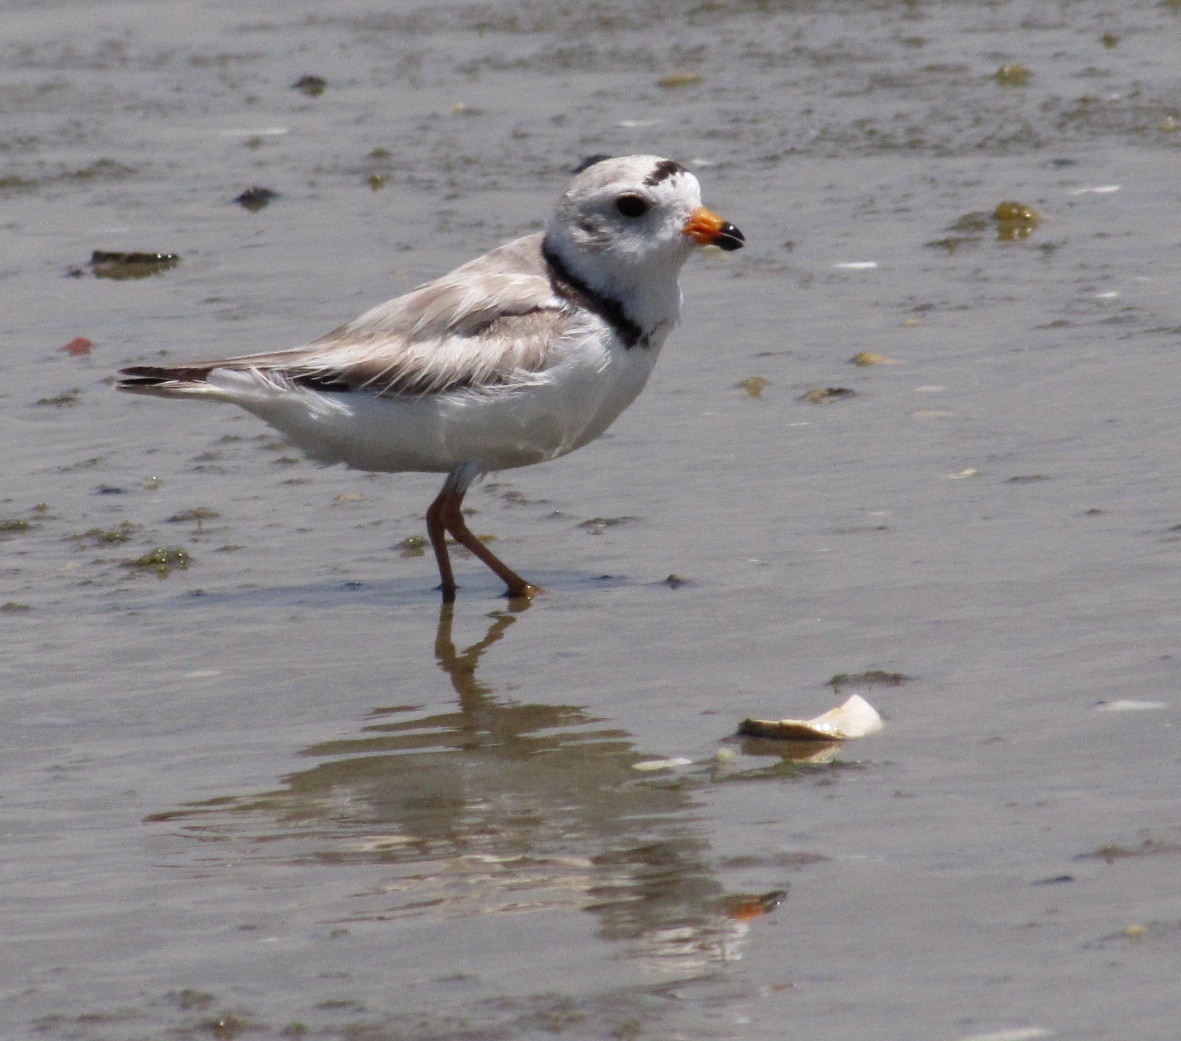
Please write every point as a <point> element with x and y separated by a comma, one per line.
<point>259,132</point>
<point>855,718</point>
<point>661,764</point>
<point>1019,1034</point>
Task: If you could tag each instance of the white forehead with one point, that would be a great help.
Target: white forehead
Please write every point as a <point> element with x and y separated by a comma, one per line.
<point>636,172</point>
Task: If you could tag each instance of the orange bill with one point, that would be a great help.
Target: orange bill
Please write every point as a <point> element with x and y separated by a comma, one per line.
<point>710,230</point>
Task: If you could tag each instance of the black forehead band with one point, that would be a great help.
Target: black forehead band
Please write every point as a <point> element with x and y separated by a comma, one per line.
<point>663,171</point>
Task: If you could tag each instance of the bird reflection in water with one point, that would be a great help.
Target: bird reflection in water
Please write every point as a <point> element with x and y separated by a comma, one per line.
<point>499,805</point>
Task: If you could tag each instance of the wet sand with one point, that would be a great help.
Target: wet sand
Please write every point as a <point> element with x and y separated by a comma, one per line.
<point>279,793</point>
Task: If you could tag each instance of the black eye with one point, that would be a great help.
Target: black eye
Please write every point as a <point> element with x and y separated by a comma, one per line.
<point>632,205</point>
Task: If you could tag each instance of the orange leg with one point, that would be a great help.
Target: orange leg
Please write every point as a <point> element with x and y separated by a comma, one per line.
<point>446,516</point>
<point>437,531</point>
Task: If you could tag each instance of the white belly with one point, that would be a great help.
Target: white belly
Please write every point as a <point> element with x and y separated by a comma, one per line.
<point>567,406</point>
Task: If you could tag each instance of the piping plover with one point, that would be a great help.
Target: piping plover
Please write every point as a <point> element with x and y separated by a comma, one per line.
<point>520,356</point>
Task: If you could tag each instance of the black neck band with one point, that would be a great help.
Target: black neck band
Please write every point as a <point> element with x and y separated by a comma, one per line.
<point>570,287</point>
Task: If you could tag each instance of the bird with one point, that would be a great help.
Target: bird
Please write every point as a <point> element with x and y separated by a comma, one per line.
<point>515,358</point>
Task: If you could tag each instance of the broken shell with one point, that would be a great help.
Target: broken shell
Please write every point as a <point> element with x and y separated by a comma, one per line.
<point>855,718</point>
<point>1129,705</point>
<point>649,765</point>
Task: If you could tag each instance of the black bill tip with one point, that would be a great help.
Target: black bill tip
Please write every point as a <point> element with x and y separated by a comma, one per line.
<point>729,238</point>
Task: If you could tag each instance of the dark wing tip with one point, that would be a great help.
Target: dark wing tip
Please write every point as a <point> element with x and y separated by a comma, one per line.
<point>136,377</point>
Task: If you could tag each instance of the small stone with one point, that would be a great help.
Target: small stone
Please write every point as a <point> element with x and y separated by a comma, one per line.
<point>312,86</point>
<point>78,347</point>
<point>753,385</point>
<point>679,79</point>
<point>256,198</point>
<point>827,395</point>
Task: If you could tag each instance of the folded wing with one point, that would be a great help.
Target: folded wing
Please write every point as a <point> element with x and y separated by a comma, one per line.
<point>493,321</point>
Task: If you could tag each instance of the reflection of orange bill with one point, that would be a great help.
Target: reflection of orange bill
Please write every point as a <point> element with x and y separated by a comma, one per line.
<point>744,908</point>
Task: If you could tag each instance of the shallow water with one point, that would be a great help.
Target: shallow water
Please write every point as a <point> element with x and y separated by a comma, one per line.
<point>280,793</point>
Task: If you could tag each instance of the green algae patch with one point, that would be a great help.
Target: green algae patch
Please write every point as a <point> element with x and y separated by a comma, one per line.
<point>1149,847</point>
<point>827,395</point>
<point>62,400</point>
<point>1015,220</point>
<point>189,999</point>
<point>869,678</point>
<point>597,525</point>
<point>1011,220</point>
<point>121,267</point>
<point>753,385</point>
<point>14,183</point>
<point>107,536</point>
<point>412,546</point>
<point>15,526</point>
<point>198,515</point>
<point>1015,75</point>
<point>100,169</point>
<point>227,1025</point>
<point>163,560</point>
